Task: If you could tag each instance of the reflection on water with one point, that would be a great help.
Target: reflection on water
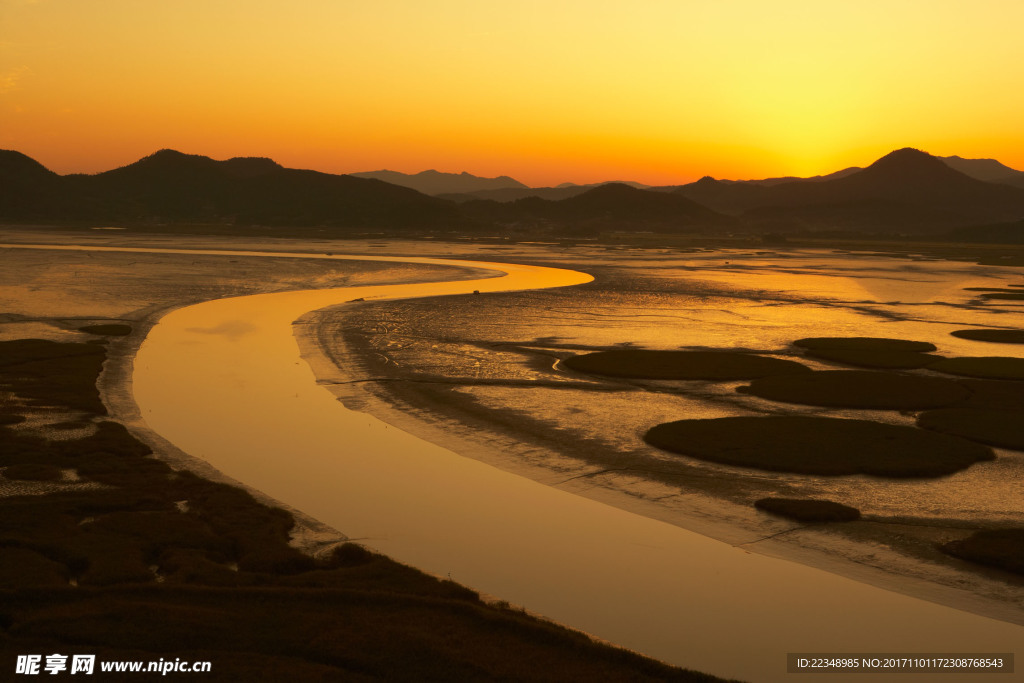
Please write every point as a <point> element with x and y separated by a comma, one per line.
<point>232,329</point>
<point>244,401</point>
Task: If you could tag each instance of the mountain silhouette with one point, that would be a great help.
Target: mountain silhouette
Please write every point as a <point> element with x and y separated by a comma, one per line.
<point>510,194</point>
<point>435,182</point>
<point>606,207</point>
<point>28,190</point>
<point>725,196</point>
<point>16,167</point>
<point>988,170</point>
<point>172,187</point>
<point>910,176</point>
<point>906,191</point>
<point>620,201</point>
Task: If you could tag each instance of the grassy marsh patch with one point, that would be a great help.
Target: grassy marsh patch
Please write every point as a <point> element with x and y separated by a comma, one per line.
<point>320,635</point>
<point>1001,428</point>
<point>1001,548</point>
<point>996,336</point>
<point>984,367</point>
<point>989,289</point>
<point>53,373</point>
<point>859,389</point>
<point>993,394</point>
<point>876,358</point>
<point>863,344</point>
<point>808,509</point>
<point>20,567</point>
<point>681,365</point>
<point>107,330</point>
<point>1004,296</point>
<point>819,445</point>
<point>32,471</point>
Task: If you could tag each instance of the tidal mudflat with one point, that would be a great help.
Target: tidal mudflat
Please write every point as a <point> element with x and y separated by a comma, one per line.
<point>501,364</point>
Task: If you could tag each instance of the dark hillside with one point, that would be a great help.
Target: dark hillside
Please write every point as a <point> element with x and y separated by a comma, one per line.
<point>613,206</point>
<point>171,187</point>
<point>904,191</point>
<point>27,188</point>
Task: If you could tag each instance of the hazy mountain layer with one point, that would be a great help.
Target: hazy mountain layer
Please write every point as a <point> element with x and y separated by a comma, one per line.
<point>988,170</point>
<point>614,206</point>
<point>435,183</point>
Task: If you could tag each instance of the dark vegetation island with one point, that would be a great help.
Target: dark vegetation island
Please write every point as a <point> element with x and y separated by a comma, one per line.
<point>959,417</point>
<point>107,550</point>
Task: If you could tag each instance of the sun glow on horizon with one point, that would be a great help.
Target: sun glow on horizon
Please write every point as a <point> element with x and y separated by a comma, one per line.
<point>576,91</point>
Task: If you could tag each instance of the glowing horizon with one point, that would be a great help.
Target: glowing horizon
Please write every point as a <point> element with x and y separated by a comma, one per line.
<point>546,93</point>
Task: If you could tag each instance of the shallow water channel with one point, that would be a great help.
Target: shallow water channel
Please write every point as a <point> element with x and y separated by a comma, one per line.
<point>224,381</point>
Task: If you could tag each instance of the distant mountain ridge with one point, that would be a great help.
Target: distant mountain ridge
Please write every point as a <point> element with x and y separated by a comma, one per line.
<point>559,192</point>
<point>435,182</point>
<point>605,207</point>
<point>906,191</point>
<point>169,187</point>
<point>511,194</point>
<point>172,187</point>
<point>787,179</point>
<point>989,170</point>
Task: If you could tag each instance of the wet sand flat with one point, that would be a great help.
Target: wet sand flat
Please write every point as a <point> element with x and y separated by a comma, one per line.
<point>466,367</point>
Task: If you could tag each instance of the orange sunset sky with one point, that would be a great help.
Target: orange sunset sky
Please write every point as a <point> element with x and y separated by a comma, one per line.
<point>658,91</point>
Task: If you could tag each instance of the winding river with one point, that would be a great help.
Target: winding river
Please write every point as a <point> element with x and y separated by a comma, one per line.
<point>224,381</point>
